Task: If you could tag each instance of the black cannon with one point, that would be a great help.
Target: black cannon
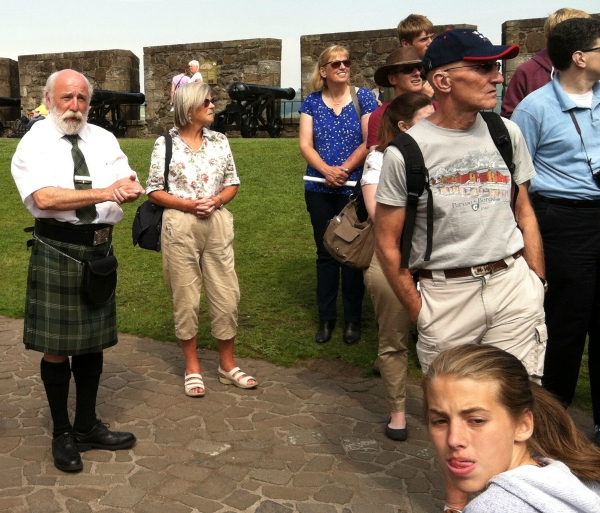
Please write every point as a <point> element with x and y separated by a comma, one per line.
<point>105,109</point>
<point>8,102</point>
<point>253,108</point>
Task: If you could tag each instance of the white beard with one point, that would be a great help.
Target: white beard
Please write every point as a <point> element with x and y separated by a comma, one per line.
<point>68,127</point>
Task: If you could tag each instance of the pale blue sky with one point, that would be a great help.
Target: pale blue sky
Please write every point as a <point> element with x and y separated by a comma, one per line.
<point>50,26</point>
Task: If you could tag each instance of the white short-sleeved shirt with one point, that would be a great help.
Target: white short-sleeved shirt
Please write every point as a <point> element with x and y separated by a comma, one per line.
<point>43,159</point>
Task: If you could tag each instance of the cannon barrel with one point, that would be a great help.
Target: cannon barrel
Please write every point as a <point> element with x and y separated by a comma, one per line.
<point>10,102</point>
<point>240,91</point>
<point>117,97</point>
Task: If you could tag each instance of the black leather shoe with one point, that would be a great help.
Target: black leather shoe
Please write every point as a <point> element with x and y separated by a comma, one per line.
<point>101,438</point>
<point>324,332</point>
<point>396,434</point>
<point>352,333</point>
<point>66,456</point>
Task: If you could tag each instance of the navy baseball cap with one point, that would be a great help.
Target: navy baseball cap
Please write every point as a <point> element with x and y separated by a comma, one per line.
<point>464,45</point>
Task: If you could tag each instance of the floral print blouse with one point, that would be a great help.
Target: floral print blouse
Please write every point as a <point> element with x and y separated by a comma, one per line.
<point>193,175</point>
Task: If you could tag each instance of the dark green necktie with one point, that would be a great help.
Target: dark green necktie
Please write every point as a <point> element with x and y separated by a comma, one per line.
<point>80,170</point>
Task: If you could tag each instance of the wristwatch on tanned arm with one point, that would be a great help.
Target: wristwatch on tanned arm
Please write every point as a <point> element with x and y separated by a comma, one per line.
<point>544,283</point>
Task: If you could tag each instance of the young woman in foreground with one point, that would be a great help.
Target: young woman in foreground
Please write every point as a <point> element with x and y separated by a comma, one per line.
<point>494,429</point>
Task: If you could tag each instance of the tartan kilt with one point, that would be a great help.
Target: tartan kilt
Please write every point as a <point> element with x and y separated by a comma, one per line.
<point>57,319</point>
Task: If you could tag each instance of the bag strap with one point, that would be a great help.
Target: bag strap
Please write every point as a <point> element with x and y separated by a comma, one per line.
<point>501,138</point>
<point>417,180</point>
<point>168,156</point>
<point>355,102</point>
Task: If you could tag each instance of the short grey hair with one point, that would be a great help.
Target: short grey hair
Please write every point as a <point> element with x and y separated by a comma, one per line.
<point>187,99</point>
<point>49,87</point>
<point>194,63</point>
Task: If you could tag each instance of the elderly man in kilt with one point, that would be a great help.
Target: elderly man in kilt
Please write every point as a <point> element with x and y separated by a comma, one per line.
<point>72,177</point>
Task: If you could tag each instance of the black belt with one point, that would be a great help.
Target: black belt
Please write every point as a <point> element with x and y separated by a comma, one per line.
<point>83,234</point>
<point>565,202</point>
<point>476,270</point>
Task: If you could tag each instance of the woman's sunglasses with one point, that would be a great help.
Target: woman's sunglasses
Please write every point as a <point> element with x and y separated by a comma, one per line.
<point>336,64</point>
<point>208,101</point>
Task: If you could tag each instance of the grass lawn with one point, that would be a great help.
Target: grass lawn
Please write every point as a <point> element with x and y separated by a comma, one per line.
<point>275,262</point>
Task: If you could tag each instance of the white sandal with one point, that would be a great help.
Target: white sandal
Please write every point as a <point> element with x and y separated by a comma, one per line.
<point>191,382</point>
<point>236,377</point>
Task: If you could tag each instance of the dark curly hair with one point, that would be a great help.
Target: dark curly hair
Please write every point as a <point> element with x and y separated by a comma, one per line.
<point>570,36</point>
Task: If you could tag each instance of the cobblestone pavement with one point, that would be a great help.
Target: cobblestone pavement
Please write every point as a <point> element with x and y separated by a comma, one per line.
<point>305,440</point>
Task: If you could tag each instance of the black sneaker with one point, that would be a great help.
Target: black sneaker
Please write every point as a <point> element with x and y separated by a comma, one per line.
<point>65,453</point>
<point>99,437</point>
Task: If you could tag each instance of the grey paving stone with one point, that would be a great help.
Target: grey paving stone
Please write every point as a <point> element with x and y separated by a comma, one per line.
<point>309,439</point>
<point>316,508</point>
<point>286,493</point>
<point>334,494</point>
<point>273,507</point>
<point>123,497</point>
<point>241,499</point>
<point>215,487</point>
<point>43,501</point>
<point>279,477</point>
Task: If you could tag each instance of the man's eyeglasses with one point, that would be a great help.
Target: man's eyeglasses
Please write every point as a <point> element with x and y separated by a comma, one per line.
<point>208,101</point>
<point>336,64</point>
<point>591,50</point>
<point>484,67</point>
<point>410,70</point>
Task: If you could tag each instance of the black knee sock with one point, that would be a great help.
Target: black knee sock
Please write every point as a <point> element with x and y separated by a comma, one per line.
<point>56,377</point>
<point>87,369</point>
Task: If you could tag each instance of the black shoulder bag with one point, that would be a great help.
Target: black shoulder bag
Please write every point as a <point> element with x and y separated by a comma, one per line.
<point>147,223</point>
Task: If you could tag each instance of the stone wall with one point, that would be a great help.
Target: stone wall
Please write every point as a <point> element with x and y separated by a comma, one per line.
<point>368,50</point>
<point>529,35</point>
<point>9,88</point>
<point>255,61</point>
<point>115,70</point>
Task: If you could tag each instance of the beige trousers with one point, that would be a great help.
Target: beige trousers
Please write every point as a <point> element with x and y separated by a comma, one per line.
<point>394,326</point>
<point>504,309</point>
<point>199,252</point>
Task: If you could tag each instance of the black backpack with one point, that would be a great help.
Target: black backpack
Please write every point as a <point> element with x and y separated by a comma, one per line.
<point>417,180</point>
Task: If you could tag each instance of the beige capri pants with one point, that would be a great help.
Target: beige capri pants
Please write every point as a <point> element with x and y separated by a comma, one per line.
<point>196,252</point>
<point>394,331</point>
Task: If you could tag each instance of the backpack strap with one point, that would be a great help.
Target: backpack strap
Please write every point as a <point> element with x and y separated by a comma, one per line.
<point>168,156</point>
<point>501,139</point>
<point>417,180</point>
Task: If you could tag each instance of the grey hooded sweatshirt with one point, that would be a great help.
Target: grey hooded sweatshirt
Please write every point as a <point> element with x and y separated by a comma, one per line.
<point>530,489</point>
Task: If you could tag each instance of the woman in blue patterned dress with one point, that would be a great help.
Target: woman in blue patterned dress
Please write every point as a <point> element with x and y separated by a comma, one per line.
<point>333,136</point>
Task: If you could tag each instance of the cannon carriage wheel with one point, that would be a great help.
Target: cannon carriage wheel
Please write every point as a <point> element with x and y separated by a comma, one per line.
<point>120,129</point>
<point>249,126</point>
<point>275,128</point>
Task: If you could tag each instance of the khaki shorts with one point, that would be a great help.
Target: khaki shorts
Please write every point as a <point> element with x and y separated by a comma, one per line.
<point>504,309</point>
<point>199,252</point>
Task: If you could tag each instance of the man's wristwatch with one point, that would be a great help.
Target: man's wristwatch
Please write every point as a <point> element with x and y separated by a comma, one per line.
<point>544,283</point>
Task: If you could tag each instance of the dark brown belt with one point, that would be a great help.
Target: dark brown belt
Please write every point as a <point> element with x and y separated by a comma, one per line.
<point>83,234</point>
<point>476,270</point>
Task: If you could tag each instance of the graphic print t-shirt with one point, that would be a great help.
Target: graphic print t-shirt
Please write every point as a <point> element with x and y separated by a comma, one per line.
<point>471,187</point>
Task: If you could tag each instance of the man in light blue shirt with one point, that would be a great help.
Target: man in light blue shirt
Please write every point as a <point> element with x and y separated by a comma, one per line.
<point>561,125</point>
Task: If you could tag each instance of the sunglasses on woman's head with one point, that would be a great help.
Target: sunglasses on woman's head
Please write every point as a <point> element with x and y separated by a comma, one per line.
<point>336,64</point>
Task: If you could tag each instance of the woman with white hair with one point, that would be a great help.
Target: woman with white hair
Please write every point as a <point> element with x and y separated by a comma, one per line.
<point>197,232</point>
